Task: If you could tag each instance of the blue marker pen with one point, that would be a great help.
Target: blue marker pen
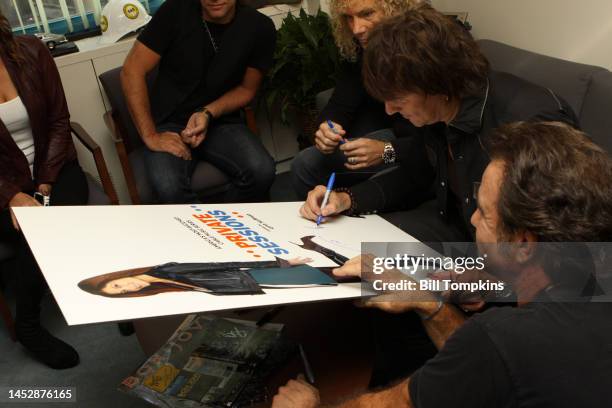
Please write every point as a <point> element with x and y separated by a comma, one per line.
<point>330,187</point>
<point>333,129</point>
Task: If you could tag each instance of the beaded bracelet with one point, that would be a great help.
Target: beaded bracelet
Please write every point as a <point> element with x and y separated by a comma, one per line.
<point>351,210</point>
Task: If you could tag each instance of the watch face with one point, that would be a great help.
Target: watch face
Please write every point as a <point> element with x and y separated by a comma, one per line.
<point>389,154</point>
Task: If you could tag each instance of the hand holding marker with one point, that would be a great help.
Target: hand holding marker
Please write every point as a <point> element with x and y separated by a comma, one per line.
<point>330,187</point>
<point>330,124</point>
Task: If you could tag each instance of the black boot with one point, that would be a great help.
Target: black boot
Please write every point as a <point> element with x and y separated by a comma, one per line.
<point>46,348</point>
<point>37,340</point>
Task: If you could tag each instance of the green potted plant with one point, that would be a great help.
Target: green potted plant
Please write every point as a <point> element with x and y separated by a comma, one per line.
<point>306,62</point>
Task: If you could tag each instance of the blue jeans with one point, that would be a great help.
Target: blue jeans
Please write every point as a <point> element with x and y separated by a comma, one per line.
<point>311,167</point>
<point>232,148</point>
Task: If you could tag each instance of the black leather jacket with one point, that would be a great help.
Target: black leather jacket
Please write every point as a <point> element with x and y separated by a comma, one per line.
<point>40,88</point>
<point>505,99</point>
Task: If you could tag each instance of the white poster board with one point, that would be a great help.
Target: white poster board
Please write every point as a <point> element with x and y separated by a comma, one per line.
<point>74,243</point>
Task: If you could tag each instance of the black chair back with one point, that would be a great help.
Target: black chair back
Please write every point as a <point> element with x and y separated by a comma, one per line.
<point>111,82</point>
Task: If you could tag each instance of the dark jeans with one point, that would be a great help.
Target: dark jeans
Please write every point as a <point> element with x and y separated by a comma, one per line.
<point>311,167</point>
<point>232,148</point>
<point>69,189</point>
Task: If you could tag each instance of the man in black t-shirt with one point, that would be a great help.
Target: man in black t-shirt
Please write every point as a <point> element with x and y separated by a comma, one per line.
<point>547,186</point>
<point>354,114</point>
<point>211,57</point>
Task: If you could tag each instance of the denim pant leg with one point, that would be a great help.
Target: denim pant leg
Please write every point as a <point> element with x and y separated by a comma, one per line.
<point>170,176</point>
<point>239,153</point>
<point>311,167</point>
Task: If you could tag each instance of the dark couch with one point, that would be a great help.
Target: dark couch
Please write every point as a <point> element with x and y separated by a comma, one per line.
<point>587,88</point>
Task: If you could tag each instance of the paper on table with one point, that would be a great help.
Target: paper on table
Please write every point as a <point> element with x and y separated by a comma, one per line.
<point>95,240</point>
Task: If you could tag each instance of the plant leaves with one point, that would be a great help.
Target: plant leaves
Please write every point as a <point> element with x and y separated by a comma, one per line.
<point>306,62</point>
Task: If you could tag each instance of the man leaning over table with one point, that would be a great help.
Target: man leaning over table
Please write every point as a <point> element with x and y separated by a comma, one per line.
<point>547,185</point>
<point>211,57</point>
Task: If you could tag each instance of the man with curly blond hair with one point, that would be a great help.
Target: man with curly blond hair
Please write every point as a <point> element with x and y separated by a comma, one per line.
<point>361,140</point>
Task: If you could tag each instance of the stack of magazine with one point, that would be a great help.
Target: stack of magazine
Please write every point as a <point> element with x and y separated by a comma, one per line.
<point>211,362</point>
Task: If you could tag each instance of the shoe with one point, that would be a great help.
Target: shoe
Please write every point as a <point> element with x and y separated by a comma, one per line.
<point>47,348</point>
<point>126,328</point>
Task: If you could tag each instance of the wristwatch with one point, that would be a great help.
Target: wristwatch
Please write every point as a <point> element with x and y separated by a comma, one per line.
<point>208,114</point>
<point>388,154</point>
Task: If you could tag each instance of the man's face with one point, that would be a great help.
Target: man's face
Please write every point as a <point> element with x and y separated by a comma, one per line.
<point>486,217</point>
<point>361,16</point>
<point>507,256</point>
<point>420,109</point>
<point>218,11</point>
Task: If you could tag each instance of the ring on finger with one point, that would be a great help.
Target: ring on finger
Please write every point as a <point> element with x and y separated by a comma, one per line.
<point>352,160</point>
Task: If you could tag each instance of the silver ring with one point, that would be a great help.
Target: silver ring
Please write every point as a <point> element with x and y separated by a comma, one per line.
<point>352,160</point>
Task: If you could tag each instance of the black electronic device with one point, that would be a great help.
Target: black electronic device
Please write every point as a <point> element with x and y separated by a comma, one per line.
<point>65,48</point>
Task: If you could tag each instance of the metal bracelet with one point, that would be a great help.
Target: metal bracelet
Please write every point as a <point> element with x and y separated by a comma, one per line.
<point>434,313</point>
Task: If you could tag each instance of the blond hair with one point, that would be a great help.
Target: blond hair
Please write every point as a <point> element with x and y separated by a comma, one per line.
<point>343,36</point>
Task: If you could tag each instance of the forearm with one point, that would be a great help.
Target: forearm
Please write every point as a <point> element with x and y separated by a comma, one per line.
<point>7,192</point>
<point>231,101</point>
<point>59,151</point>
<point>394,397</point>
<point>386,192</point>
<point>137,97</point>
<point>59,146</point>
<point>443,324</point>
<point>440,320</point>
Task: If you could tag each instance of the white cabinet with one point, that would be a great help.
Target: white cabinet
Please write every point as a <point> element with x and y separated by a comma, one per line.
<point>87,102</point>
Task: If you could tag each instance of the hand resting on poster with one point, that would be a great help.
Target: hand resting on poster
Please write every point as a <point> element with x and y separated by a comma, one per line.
<point>337,203</point>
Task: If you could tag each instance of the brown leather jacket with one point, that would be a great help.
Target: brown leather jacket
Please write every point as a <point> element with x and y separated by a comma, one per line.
<point>39,85</point>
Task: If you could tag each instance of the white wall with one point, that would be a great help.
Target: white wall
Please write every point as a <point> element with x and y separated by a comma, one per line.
<point>576,30</point>
<point>324,5</point>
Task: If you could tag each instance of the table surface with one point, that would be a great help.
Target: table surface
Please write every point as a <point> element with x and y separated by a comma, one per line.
<point>74,243</point>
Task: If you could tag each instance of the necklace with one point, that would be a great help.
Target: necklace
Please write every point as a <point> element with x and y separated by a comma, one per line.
<point>212,40</point>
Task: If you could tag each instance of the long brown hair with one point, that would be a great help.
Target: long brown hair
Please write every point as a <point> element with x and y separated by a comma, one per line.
<point>94,285</point>
<point>423,50</point>
<point>10,47</point>
<point>556,183</point>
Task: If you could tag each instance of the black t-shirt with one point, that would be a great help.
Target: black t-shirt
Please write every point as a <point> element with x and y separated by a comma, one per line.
<point>191,73</point>
<point>544,355</point>
<point>350,100</point>
<point>194,100</point>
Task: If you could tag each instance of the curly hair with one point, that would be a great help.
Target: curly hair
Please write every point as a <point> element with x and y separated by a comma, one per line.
<point>423,50</point>
<point>556,183</point>
<point>8,45</point>
<point>343,36</point>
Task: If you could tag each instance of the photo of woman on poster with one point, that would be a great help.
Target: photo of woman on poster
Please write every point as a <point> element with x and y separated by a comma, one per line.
<point>217,278</point>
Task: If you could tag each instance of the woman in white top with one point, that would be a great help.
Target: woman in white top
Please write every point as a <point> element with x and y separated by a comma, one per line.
<point>36,156</point>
